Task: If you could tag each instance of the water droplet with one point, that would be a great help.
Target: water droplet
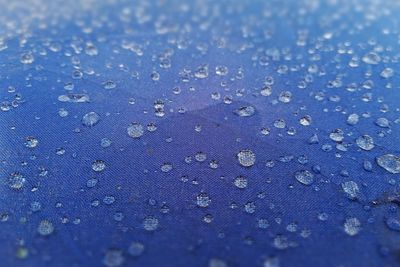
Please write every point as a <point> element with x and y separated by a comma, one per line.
<point>77,74</point>
<point>200,156</point>
<point>166,167</point>
<point>382,122</point>
<point>213,164</point>
<point>69,86</point>
<point>246,158</point>
<point>201,72</point>
<point>387,73</point>
<point>91,182</point>
<point>367,165</point>
<point>337,135</point>
<point>16,181</point>
<point>352,119</point>
<point>285,97</point>
<point>281,242</point>
<point>150,223</point>
<point>323,216</point>
<point>262,223</point>
<point>109,85</point>
<point>280,123</point>
<point>389,162</point>
<point>203,200</point>
<point>365,142</point>
<point>393,224</point>
<point>108,200</point>
<point>45,228</point>
<point>31,142</point>
<point>250,207</point>
<point>266,91</point>
<point>313,139</point>
<point>265,131</point>
<point>221,70</point>
<point>74,98</point>
<point>136,249</point>
<point>113,258</point>
<point>135,130</point>
<point>118,216</point>
<point>292,227</point>
<point>90,119</point>
<point>305,177</point>
<point>91,49</point>
<point>217,263</point>
<point>155,76</point>
<point>63,113</point>
<point>27,58</point>
<point>306,120</point>
<point>240,182</point>
<point>36,206</point>
<point>272,262</point>
<point>151,127</point>
<point>98,165</point>
<point>208,218</point>
<point>105,142</point>
<point>352,226</point>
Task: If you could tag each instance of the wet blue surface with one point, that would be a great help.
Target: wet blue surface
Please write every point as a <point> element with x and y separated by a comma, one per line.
<point>313,49</point>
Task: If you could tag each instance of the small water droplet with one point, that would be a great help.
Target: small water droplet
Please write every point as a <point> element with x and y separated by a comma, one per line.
<point>352,226</point>
<point>305,177</point>
<point>365,142</point>
<point>45,228</point>
<point>245,111</point>
<point>27,58</point>
<point>203,200</point>
<point>31,142</point>
<point>371,58</point>
<point>136,249</point>
<point>109,85</point>
<point>150,223</point>
<point>98,165</point>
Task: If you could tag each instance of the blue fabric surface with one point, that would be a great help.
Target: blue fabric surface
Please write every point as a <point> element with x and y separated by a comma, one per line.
<point>200,81</point>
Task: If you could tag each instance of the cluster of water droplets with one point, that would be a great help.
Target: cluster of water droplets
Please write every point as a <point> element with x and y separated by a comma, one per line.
<point>156,133</point>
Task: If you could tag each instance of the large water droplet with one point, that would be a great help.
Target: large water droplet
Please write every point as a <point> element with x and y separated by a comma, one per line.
<point>203,200</point>
<point>90,119</point>
<point>246,158</point>
<point>365,142</point>
<point>305,177</point>
<point>352,226</point>
<point>389,162</point>
<point>135,130</point>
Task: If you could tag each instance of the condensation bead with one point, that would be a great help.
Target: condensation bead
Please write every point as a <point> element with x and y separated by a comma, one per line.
<point>203,200</point>
<point>240,182</point>
<point>246,158</point>
<point>150,223</point>
<point>304,177</point>
<point>45,228</point>
<point>135,130</point>
<point>90,119</point>
<point>352,226</point>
